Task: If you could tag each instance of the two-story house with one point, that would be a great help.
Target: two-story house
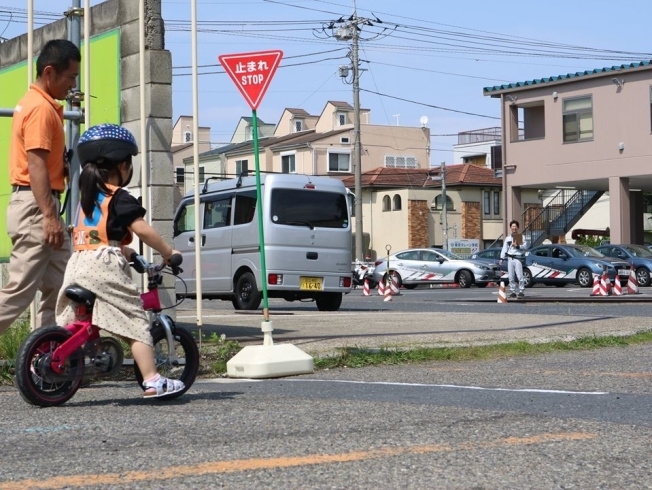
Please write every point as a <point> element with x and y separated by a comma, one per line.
<point>583,134</point>
<point>403,208</point>
<point>319,145</point>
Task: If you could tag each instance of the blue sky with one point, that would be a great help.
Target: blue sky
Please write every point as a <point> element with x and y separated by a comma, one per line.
<point>429,52</point>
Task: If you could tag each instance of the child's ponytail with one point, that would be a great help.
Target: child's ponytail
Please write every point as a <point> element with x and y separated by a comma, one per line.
<point>92,182</point>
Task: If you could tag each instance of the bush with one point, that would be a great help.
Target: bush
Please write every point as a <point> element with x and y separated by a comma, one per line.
<point>591,241</point>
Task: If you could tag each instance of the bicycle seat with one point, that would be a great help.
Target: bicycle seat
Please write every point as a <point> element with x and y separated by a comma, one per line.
<point>81,295</point>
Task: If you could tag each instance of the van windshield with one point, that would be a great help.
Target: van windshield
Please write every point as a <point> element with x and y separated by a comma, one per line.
<point>310,208</point>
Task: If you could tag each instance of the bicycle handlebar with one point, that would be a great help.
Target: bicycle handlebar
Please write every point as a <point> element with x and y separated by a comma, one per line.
<point>141,265</point>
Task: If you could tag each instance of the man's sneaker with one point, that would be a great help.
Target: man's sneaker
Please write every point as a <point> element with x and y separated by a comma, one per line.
<point>513,295</point>
<point>521,295</point>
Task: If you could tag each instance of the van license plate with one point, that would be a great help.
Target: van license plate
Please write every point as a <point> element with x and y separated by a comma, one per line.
<point>311,283</point>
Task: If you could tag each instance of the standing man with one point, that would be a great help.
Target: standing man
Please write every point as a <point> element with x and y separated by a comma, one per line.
<point>514,249</point>
<point>41,244</point>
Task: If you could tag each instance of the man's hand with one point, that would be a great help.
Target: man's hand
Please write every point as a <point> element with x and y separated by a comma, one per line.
<point>53,232</point>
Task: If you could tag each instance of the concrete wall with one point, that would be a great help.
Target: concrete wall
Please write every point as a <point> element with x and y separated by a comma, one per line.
<point>123,14</point>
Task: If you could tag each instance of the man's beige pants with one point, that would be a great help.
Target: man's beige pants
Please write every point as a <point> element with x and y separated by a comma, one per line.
<point>32,266</point>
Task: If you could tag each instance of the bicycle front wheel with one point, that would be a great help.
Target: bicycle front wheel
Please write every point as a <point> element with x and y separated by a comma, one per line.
<point>187,354</point>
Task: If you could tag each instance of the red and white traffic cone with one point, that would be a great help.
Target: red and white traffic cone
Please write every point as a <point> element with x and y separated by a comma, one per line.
<point>381,287</point>
<point>596,286</point>
<point>388,293</point>
<point>365,288</point>
<point>603,285</point>
<point>632,283</point>
<point>502,295</point>
<point>394,286</point>
<point>618,288</point>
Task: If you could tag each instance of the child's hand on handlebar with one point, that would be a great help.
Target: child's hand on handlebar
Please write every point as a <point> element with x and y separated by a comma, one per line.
<point>172,254</point>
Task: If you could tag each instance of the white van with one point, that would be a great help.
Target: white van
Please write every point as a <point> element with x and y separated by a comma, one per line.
<point>307,231</point>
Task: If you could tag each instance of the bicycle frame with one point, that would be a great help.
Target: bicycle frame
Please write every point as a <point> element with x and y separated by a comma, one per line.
<point>83,330</point>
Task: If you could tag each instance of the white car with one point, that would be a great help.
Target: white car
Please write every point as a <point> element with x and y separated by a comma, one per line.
<point>435,266</point>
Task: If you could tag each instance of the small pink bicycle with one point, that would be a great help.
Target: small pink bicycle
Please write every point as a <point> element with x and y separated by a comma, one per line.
<point>53,362</point>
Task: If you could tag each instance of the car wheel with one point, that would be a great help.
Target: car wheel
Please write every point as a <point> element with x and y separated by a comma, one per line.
<point>247,296</point>
<point>527,278</point>
<point>643,276</point>
<point>464,279</point>
<point>585,277</point>
<point>388,280</point>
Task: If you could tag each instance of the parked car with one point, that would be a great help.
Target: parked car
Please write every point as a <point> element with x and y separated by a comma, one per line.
<point>561,264</point>
<point>492,255</point>
<point>435,266</point>
<point>637,255</point>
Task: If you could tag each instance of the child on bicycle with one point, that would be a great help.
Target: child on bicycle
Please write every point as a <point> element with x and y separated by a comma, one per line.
<point>106,219</point>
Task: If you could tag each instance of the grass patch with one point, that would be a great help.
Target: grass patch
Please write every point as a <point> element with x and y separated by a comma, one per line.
<point>9,343</point>
<point>354,357</point>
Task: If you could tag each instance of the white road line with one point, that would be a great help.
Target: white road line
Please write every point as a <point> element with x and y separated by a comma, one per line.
<point>423,385</point>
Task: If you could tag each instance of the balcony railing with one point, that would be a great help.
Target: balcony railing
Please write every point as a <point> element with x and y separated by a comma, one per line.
<point>479,136</point>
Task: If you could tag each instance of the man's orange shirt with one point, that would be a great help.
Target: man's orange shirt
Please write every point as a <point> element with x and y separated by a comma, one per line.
<point>37,125</point>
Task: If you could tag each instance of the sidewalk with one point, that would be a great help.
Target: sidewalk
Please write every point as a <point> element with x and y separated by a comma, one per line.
<point>321,334</point>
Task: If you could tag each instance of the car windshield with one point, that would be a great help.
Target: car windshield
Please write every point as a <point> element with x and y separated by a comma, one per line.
<point>583,251</point>
<point>448,255</point>
<point>638,251</point>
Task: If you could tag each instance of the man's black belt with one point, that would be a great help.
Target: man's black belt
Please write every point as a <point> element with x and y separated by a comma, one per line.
<point>18,188</point>
<point>514,256</point>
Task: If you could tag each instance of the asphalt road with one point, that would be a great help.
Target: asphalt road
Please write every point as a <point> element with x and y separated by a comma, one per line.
<point>563,420</point>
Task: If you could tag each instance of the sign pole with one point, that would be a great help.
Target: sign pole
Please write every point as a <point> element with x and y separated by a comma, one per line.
<point>252,74</point>
<point>261,233</point>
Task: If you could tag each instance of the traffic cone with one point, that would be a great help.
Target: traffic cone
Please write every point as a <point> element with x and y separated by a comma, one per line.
<point>365,288</point>
<point>632,283</point>
<point>381,287</point>
<point>388,293</point>
<point>617,289</point>
<point>596,286</point>
<point>502,296</point>
<point>394,286</point>
<point>603,285</point>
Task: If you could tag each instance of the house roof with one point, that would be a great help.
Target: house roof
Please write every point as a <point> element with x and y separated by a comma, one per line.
<point>304,137</point>
<point>177,148</point>
<point>456,175</point>
<point>297,112</point>
<point>249,119</point>
<point>340,105</point>
<point>497,89</point>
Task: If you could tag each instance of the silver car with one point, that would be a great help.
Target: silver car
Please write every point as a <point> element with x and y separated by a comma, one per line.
<point>435,266</point>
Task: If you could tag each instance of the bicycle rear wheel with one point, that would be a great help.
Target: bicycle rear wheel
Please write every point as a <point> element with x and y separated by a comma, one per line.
<point>186,351</point>
<point>37,383</point>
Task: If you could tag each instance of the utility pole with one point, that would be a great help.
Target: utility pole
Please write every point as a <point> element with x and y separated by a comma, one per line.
<point>357,153</point>
<point>444,204</point>
<point>350,31</point>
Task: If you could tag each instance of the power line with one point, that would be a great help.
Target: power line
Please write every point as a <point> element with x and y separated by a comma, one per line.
<point>430,105</point>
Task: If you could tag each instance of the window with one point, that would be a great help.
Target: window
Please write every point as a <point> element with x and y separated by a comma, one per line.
<point>241,166</point>
<point>345,140</point>
<point>578,119</point>
<point>387,203</point>
<point>298,125</point>
<point>201,175</point>
<point>185,220</point>
<point>309,208</point>
<point>339,162</point>
<point>397,202</point>
<point>217,213</point>
<point>187,136</point>
<point>245,207</point>
<point>341,118</point>
<point>180,174</point>
<point>392,161</point>
<point>288,165</point>
<point>491,204</point>
<point>437,206</point>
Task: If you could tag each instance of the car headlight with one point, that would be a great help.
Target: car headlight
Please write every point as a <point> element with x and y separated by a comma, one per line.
<point>484,268</point>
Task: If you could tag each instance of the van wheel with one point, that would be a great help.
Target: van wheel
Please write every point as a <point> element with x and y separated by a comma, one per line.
<point>328,301</point>
<point>247,296</point>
